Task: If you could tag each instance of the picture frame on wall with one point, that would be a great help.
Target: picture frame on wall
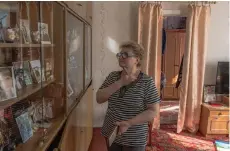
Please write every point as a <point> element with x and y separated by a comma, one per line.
<point>209,93</point>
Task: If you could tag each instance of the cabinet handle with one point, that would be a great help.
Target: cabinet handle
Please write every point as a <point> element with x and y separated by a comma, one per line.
<point>220,114</point>
<point>79,4</point>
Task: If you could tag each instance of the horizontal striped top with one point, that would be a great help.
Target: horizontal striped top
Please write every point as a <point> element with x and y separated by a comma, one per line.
<point>133,102</point>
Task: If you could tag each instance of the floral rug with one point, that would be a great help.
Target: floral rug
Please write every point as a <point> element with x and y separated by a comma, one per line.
<point>169,140</point>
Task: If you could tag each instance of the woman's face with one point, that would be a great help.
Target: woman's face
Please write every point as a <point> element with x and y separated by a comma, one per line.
<point>6,82</point>
<point>127,58</point>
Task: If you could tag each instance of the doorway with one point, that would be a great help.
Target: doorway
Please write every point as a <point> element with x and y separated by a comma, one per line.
<point>173,45</point>
<point>174,31</point>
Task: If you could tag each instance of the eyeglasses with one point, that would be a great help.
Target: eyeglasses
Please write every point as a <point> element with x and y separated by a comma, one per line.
<point>124,55</point>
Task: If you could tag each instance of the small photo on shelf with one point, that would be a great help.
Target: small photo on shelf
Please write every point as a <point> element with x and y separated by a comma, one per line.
<point>43,28</point>
<point>19,75</point>
<point>6,56</point>
<point>25,29</point>
<point>48,69</point>
<point>25,126</point>
<point>48,107</point>
<point>27,73</point>
<point>209,93</point>
<point>41,112</point>
<point>69,89</point>
<point>3,24</point>
<point>7,84</point>
<point>38,74</point>
<point>2,40</point>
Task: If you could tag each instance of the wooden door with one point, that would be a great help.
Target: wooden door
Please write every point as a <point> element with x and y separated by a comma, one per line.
<point>175,44</point>
<point>78,130</point>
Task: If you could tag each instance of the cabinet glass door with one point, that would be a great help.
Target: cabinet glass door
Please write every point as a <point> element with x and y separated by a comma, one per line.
<point>74,48</point>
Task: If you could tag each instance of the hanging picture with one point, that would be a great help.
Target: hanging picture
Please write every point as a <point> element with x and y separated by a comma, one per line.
<point>43,28</point>
<point>209,93</point>
<point>7,84</point>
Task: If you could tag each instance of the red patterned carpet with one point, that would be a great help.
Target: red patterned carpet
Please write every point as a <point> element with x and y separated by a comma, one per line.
<point>169,140</point>
<point>169,112</point>
<point>166,140</point>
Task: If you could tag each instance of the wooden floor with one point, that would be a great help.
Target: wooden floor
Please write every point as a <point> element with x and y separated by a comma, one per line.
<point>98,142</point>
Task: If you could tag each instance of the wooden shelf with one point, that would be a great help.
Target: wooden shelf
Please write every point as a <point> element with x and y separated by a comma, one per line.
<point>15,45</point>
<point>24,93</point>
<point>33,142</point>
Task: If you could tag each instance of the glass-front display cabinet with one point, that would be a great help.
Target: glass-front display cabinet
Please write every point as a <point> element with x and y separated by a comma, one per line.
<point>45,69</point>
<point>42,71</point>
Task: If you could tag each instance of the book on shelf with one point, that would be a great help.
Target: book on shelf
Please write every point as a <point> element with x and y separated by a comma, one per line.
<point>7,83</point>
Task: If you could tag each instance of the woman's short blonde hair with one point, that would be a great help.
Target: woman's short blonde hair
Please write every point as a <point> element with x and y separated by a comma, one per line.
<point>136,48</point>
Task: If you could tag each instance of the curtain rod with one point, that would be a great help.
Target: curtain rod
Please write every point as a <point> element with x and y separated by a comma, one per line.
<point>202,2</point>
<point>190,2</point>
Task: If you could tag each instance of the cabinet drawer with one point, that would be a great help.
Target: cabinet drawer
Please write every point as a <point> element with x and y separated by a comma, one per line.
<point>220,117</point>
<point>219,113</point>
<point>218,127</point>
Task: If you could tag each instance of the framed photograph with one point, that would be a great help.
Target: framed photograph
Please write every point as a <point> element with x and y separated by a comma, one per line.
<point>43,28</point>
<point>209,93</point>
<point>19,75</point>
<point>69,89</point>
<point>49,69</point>
<point>48,107</point>
<point>38,72</point>
<point>25,126</point>
<point>27,73</point>
<point>25,30</point>
<point>2,40</point>
<point>7,84</point>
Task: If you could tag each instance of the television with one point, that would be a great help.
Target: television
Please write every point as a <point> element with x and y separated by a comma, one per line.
<point>222,78</point>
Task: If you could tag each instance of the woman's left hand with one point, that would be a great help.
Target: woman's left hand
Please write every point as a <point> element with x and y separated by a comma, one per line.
<point>123,126</point>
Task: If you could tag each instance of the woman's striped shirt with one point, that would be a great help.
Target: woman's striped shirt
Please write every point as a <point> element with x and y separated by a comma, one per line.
<point>133,102</point>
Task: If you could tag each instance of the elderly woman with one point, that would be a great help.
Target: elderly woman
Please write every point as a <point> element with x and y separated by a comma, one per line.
<point>132,101</point>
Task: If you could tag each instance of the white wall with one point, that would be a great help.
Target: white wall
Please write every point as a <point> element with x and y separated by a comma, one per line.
<point>218,40</point>
<point>118,24</point>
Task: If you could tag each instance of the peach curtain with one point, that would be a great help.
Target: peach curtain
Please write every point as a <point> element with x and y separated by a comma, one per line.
<point>193,68</point>
<point>149,36</point>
